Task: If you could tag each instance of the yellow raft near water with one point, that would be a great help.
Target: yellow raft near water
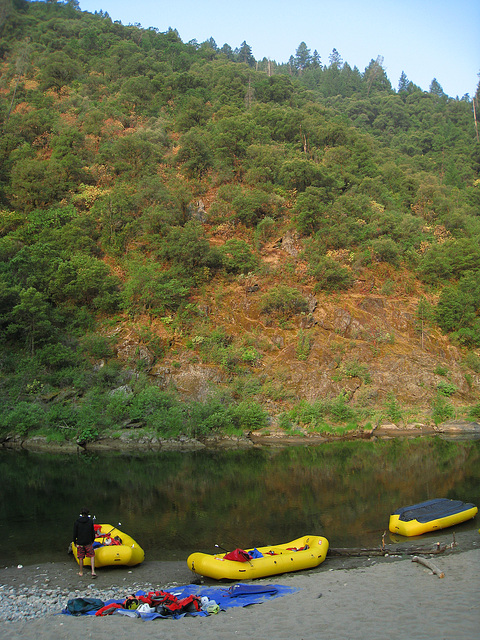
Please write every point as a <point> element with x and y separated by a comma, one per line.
<point>303,553</point>
<point>431,515</point>
<point>127,553</point>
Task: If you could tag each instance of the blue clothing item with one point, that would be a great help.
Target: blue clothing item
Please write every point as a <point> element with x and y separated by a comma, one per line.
<point>79,606</point>
<point>248,590</point>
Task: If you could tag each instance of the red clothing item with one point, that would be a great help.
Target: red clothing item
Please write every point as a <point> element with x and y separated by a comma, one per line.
<point>108,609</point>
<point>86,551</point>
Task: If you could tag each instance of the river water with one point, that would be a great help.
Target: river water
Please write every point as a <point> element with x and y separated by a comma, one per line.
<point>174,503</point>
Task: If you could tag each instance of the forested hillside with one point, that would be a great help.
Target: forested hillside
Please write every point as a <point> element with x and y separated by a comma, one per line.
<point>196,242</point>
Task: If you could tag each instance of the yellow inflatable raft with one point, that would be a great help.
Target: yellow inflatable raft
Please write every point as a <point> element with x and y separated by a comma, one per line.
<point>302,553</point>
<point>112,546</point>
<point>430,516</point>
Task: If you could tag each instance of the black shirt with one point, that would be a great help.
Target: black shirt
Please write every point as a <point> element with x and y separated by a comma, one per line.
<point>83,531</point>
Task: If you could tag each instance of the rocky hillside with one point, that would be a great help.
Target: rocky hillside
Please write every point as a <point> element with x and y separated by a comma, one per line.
<point>199,243</point>
<point>369,347</point>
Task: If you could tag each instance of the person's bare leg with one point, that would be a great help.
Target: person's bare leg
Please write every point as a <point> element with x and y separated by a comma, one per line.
<point>92,561</point>
<point>80,562</point>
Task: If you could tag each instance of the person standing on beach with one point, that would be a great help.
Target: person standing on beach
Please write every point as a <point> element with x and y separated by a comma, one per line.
<point>83,537</point>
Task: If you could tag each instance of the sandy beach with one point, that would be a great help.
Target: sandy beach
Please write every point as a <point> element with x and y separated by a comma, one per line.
<point>354,599</point>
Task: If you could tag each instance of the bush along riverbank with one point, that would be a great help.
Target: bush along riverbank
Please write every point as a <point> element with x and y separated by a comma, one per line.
<point>140,439</point>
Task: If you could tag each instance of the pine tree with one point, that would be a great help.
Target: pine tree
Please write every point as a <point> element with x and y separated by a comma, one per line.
<point>316,61</point>
<point>303,59</point>
<point>403,83</point>
<point>244,54</point>
<point>228,51</point>
<point>375,76</point>
<point>436,88</point>
<point>335,59</point>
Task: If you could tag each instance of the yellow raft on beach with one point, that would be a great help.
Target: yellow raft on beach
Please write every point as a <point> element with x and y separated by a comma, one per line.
<point>431,515</point>
<point>303,553</point>
<point>112,546</point>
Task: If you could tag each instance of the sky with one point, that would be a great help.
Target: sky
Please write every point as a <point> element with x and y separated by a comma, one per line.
<point>426,39</point>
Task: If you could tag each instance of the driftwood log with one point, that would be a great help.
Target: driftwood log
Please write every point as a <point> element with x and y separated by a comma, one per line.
<point>427,563</point>
<point>386,551</point>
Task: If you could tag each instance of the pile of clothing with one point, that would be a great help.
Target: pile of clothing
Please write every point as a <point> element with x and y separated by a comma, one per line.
<point>104,539</point>
<point>239,555</point>
<point>187,601</point>
<point>154,604</point>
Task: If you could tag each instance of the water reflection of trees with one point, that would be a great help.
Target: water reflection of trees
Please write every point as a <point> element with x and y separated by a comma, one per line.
<point>191,500</point>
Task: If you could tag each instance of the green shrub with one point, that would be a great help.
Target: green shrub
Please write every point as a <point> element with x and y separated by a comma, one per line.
<point>353,369</point>
<point>62,417</point>
<point>246,386</point>
<point>309,209</point>
<point>149,402</point>
<point>248,416</point>
<point>442,409</point>
<point>283,300</point>
<point>250,356</point>
<point>90,412</point>
<point>217,415</point>
<point>393,409</point>
<point>108,377</point>
<point>263,231</point>
<point>85,280</point>
<point>424,315</point>
<point>304,345</point>
<point>388,288</point>
<point>339,410</point>
<point>468,336</point>
<point>169,422</point>
<point>56,356</point>
<point>252,205</point>
<point>300,173</point>
<point>306,413</point>
<point>474,412</point>
<point>473,361</point>
<point>195,154</point>
<point>217,346</point>
<point>330,275</point>
<point>284,422</point>
<point>150,288</point>
<point>97,346</point>
<point>188,248</point>
<point>86,435</point>
<point>117,408</point>
<point>22,419</point>
<point>314,415</point>
<point>450,259</point>
<point>440,370</point>
<point>458,304</point>
<point>446,389</point>
<point>237,257</point>
<point>386,250</point>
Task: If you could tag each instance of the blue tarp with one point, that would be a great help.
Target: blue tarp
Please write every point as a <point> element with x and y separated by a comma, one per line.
<point>237,595</point>
<point>432,510</point>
